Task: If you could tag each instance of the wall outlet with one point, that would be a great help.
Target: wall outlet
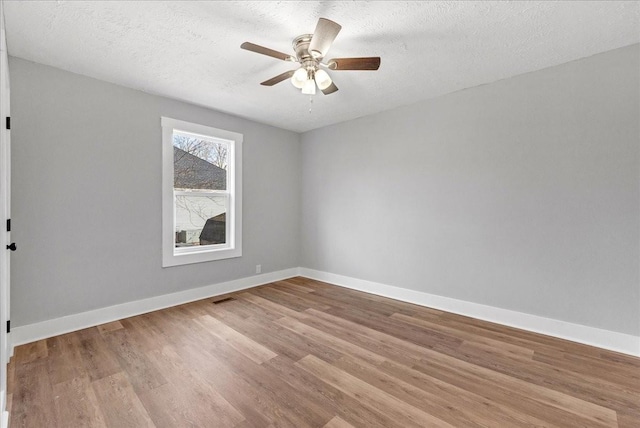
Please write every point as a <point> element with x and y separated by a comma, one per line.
<point>258,268</point>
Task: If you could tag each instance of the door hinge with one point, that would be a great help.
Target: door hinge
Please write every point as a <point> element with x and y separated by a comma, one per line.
<point>8,122</point>
<point>8,225</point>
<point>8,326</point>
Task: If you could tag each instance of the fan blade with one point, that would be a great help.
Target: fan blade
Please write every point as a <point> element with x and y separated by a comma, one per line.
<point>330,89</point>
<point>368,63</point>
<point>325,34</point>
<point>279,78</point>
<point>266,51</point>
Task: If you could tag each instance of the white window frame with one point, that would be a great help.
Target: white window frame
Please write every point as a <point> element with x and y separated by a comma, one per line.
<point>172,256</point>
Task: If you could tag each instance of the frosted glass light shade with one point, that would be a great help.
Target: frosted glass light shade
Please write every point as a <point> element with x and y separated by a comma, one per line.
<point>309,87</point>
<point>299,78</point>
<point>322,79</point>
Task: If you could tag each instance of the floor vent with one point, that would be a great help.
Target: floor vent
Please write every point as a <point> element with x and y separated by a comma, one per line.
<point>226,299</point>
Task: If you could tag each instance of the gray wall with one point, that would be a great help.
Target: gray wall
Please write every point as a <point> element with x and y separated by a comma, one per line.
<point>87,195</point>
<point>521,194</point>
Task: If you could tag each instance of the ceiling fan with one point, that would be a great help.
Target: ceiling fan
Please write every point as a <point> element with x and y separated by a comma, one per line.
<point>310,50</point>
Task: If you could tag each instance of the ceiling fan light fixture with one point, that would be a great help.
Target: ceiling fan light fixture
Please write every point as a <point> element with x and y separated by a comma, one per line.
<point>310,50</point>
<point>322,79</point>
<point>299,78</point>
<point>309,87</point>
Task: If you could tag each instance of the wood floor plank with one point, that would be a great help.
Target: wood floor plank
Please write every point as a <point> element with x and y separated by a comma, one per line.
<point>281,310</point>
<point>236,391</point>
<point>478,404</point>
<point>620,360</point>
<point>628,377</point>
<point>475,327</point>
<point>119,403</point>
<point>581,385</point>
<point>238,341</point>
<point>329,397</point>
<point>247,385</point>
<point>491,360</point>
<point>420,399</point>
<point>146,333</point>
<point>377,400</point>
<point>627,420</point>
<point>186,400</point>
<point>377,303</point>
<point>504,396</point>
<point>77,405</point>
<point>435,401</point>
<point>254,311</point>
<point>64,360</point>
<point>160,330</point>
<point>269,294</point>
<point>303,299</point>
<point>596,390</point>
<point>33,400</point>
<point>304,282</point>
<point>295,406</point>
<point>350,298</point>
<point>406,348</point>
<point>109,327</point>
<point>414,334</point>
<point>293,286</point>
<point>31,351</point>
<point>142,374</point>
<point>338,344</point>
<point>385,346</point>
<point>508,349</point>
<point>337,422</point>
<point>276,338</point>
<point>598,415</point>
<point>302,353</point>
<point>515,334</point>
<point>240,308</point>
<point>97,359</point>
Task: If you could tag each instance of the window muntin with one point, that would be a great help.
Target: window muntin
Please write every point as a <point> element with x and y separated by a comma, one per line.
<point>201,193</point>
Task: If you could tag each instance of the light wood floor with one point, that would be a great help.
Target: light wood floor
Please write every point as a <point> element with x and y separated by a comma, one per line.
<point>301,353</point>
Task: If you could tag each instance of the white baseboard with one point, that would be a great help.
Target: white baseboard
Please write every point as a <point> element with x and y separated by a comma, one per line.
<point>619,342</point>
<point>615,341</point>
<point>4,415</point>
<point>45,329</point>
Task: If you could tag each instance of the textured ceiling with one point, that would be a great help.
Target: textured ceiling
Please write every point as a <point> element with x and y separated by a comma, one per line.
<point>191,50</point>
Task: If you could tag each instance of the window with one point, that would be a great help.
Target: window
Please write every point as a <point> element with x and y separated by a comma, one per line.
<point>201,193</point>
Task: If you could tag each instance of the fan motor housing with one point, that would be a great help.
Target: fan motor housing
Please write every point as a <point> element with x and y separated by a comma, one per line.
<point>301,47</point>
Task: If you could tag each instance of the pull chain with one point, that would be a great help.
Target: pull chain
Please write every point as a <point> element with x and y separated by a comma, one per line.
<point>310,103</point>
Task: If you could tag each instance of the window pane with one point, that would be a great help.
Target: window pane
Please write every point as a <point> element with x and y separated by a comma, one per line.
<point>200,220</point>
<point>199,163</point>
